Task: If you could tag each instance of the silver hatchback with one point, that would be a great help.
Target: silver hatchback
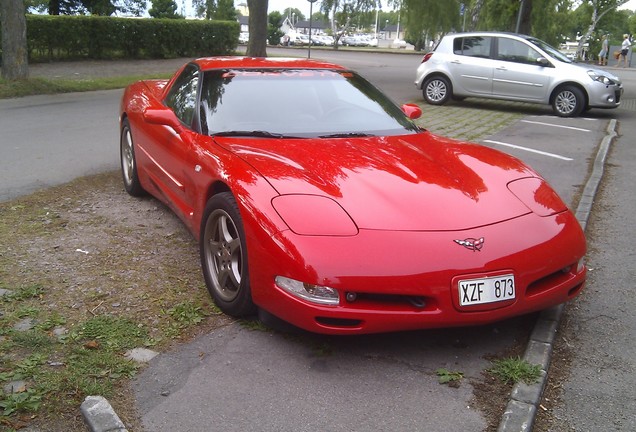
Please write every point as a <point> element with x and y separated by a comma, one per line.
<point>513,67</point>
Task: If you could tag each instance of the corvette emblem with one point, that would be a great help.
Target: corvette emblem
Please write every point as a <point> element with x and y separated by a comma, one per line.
<point>471,243</point>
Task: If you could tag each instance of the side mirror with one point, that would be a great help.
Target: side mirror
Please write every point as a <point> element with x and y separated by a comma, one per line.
<point>412,111</point>
<point>542,61</point>
<point>163,117</point>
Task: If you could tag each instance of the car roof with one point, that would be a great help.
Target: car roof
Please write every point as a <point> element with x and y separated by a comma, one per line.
<point>489,33</point>
<point>210,63</point>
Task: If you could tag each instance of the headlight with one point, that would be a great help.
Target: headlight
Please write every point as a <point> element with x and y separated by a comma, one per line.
<point>314,215</point>
<point>537,195</point>
<point>314,293</point>
<point>600,78</point>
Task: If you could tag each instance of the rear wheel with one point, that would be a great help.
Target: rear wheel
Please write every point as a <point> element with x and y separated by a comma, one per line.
<point>569,101</point>
<point>224,256</point>
<point>128,161</point>
<point>437,90</point>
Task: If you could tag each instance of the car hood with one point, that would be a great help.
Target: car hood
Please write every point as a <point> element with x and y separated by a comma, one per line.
<point>584,67</point>
<point>410,182</point>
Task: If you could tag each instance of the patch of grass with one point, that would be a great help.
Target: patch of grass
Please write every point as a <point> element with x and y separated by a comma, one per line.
<point>514,369</point>
<point>29,400</point>
<point>447,377</point>
<point>32,340</point>
<point>186,314</point>
<point>24,292</point>
<point>109,333</point>
<point>54,320</point>
<point>29,367</point>
<point>37,86</point>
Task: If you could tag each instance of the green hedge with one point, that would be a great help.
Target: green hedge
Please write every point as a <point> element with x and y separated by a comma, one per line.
<point>93,37</point>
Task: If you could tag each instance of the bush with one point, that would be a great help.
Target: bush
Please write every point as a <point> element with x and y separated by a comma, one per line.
<point>92,37</point>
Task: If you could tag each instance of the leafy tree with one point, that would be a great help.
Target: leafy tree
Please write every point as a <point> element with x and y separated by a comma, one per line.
<point>164,9</point>
<point>498,15</point>
<point>275,20</point>
<point>294,13</point>
<point>347,12</point>
<point>99,7</point>
<point>14,42</point>
<point>424,19</point>
<point>215,9</point>
<point>599,9</point>
<point>257,44</point>
<point>94,7</point>
<point>551,19</point>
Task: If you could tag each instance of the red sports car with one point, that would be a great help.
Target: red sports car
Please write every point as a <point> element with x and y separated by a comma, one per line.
<point>317,200</point>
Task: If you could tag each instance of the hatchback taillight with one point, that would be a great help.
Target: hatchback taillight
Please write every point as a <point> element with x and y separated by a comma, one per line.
<point>427,57</point>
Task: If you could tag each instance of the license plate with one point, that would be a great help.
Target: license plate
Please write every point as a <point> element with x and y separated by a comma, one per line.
<point>486,290</point>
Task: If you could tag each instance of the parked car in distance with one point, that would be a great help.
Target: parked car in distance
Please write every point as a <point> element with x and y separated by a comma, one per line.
<point>244,37</point>
<point>514,67</point>
<point>340,214</point>
<point>355,40</point>
<point>325,39</point>
<point>398,43</point>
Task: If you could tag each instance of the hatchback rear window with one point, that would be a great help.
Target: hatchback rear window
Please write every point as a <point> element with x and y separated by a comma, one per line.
<point>474,46</point>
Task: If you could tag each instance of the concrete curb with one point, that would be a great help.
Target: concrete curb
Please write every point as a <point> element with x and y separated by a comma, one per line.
<point>521,410</point>
<point>99,415</point>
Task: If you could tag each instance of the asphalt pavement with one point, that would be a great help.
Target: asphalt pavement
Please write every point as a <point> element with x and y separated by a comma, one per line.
<point>599,328</point>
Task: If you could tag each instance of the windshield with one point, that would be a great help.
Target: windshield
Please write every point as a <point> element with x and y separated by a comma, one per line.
<point>553,52</point>
<point>297,103</point>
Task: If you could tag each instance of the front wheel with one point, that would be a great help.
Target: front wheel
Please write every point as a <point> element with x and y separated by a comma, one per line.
<point>569,101</point>
<point>224,256</point>
<point>437,90</point>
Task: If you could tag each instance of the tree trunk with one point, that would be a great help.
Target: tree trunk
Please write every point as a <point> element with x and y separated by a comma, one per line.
<point>257,21</point>
<point>525,18</point>
<point>474,16</point>
<point>15,63</point>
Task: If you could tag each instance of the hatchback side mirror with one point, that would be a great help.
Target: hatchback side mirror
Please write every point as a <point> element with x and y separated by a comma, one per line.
<point>542,61</point>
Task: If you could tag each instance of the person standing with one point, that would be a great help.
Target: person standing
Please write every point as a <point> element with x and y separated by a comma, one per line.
<point>625,47</point>
<point>604,53</point>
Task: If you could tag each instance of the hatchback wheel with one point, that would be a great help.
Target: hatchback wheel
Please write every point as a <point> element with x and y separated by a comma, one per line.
<point>568,102</point>
<point>437,90</point>
<point>224,256</point>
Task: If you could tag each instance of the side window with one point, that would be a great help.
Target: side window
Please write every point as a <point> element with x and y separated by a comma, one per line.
<point>183,94</point>
<point>516,51</point>
<point>474,46</point>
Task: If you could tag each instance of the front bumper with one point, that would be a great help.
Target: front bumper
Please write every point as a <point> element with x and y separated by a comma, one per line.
<point>408,280</point>
<point>602,96</point>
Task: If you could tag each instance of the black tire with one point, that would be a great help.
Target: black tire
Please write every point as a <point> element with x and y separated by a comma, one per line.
<point>224,256</point>
<point>568,101</point>
<point>437,90</point>
<point>129,162</point>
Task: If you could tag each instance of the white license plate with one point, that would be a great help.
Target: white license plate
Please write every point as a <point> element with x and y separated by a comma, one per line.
<point>486,290</point>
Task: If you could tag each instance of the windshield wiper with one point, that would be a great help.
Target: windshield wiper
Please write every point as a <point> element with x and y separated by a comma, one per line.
<point>347,135</point>
<point>254,133</point>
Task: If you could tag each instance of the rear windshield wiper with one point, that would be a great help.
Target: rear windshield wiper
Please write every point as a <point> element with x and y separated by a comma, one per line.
<point>253,133</point>
<point>347,135</point>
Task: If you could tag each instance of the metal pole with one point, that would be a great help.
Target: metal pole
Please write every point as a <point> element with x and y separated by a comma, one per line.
<point>519,16</point>
<point>311,5</point>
